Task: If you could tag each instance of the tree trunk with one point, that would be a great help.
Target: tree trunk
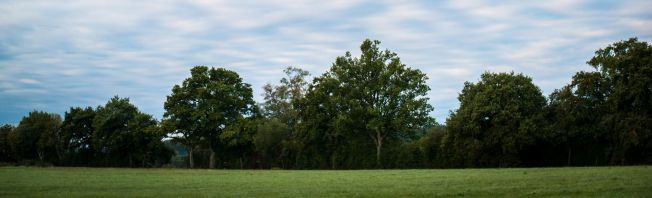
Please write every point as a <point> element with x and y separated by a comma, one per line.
<point>379,145</point>
<point>41,155</point>
<point>211,161</point>
<point>60,155</point>
<point>190,159</point>
<point>241,167</point>
<point>568,162</point>
<point>622,160</point>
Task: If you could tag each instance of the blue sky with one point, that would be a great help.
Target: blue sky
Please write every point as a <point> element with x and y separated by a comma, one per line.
<point>58,54</point>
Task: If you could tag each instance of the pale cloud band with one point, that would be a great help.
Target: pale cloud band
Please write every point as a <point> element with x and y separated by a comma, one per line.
<point>57,54</point>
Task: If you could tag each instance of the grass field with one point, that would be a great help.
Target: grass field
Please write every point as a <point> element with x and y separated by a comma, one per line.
<point>633,181</point>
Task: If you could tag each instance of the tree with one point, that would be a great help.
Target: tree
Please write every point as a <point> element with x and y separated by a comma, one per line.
<point>378,93</point>
<point>269,139</point>
<point>281,107</point>
<point>180,117</point>
<point>627,68</point>
<point>238,137</point>
<point>112,136</point>
<point>280,100</point>
<point>322,134</point>
<point>125,136</point>
<point>76,134</point>
<point>37,137</point>
<point>430,146</point>
<point>6,152</point>
<point>498,118</point>
<point>206,103</point>
<point>147,141</point>
<point>578,110</point>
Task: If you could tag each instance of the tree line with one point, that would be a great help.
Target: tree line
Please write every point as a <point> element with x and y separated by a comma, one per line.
<point>369,111</point>
<point>115,134</point>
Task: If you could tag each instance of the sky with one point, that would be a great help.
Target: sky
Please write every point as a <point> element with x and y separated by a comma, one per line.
<point>59,54</point>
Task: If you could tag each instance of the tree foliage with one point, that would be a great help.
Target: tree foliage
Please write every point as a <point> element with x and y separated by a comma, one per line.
<point>270,140</point>
<point>280,99</point>
<point>364,112</point>
<point>76,135</point>
<point>124,136</point>
<point>6,151</point>
<point>498,118</point>
<point>375,95</point>
<point>205,104</point>
<point>281,116</point>
<point>36,137</point>
<point>577,111</point>
<point>626,66</point>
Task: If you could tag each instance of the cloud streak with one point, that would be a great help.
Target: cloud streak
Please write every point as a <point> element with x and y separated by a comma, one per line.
<point>55,55</point>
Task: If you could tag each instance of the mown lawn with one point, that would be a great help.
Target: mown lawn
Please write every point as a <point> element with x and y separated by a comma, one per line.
<point>635,181</point>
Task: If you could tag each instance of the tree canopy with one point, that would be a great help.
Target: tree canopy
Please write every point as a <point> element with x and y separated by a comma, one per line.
<point>205,104</point>
<point>626,67</point>
<point>499,116</point>
<point>369,111</point>
<point>375,95</point>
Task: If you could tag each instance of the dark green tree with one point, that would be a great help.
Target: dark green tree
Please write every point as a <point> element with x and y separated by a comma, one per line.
<point>280,100</point>
<point>269,140</point>
<point>124,136</point>
<point>378,96</point>
<point>322,134</point>
<point>37,136</point>
<point>578,110</point>
<point>238,138</point>
<point>181,114</point>
<point>280,106</point>
<point>498,118</point>
<point>112,136</point>
<point>147,141</point>
<point>6,151</point>
<point>205,104</point>
<point>76,135</point>
<point>627,68</point>
<point>430,146</point>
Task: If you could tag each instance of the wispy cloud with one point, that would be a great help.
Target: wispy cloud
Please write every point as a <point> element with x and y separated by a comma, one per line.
<point>54,55</point>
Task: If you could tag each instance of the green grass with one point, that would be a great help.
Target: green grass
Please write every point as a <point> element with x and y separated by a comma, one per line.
<point>635,181</point>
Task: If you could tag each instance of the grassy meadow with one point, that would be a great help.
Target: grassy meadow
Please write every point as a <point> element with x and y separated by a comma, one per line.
<point>634,181</point>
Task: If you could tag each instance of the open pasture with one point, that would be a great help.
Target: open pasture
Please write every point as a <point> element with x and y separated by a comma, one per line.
<point>634,181</point>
